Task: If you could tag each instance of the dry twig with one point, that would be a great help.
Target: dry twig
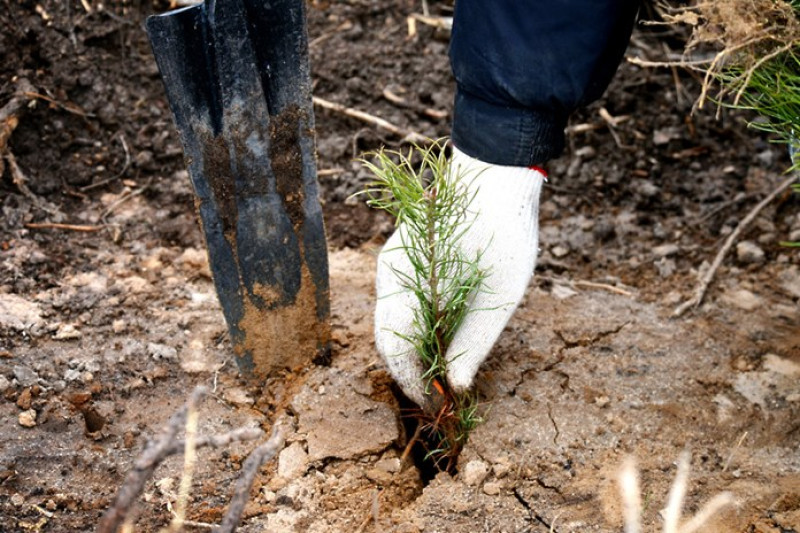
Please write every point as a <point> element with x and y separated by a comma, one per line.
<point>705,282</point>
<point>11,113</point>
<point>156,451</point>
<point>165,445</point>
<point>69,227</point>
<point>241,493</point>
<point>407,135</point>
<point>20,181</point>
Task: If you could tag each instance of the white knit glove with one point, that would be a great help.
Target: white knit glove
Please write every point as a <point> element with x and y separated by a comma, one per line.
<point>505,228</point>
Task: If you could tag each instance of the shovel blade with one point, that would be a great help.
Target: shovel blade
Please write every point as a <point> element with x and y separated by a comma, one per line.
<point>237,79</point>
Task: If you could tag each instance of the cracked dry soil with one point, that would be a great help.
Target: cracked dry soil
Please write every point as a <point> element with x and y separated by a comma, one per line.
<point>103,334</point>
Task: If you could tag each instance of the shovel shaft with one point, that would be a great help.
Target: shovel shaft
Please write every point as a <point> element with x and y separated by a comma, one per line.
<point>237,79</point>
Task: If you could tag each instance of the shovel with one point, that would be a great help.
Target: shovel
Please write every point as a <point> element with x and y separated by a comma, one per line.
<point>237,79</point>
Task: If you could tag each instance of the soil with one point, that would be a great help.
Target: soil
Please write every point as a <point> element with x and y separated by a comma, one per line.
<point>103,333</point>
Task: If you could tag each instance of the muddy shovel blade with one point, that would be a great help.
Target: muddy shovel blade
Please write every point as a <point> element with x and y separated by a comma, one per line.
<point>237,79</point>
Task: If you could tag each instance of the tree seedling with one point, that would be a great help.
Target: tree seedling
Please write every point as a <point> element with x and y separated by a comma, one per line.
<point>430,202</point>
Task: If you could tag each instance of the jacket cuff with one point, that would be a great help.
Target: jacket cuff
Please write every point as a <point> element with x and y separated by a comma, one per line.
<point>508,136</point>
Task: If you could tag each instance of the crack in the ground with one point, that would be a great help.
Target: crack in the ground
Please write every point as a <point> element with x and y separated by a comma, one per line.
<point>532,515</point>
<point>583,341</point>
<point>560,356</point>
<point>553,421</point>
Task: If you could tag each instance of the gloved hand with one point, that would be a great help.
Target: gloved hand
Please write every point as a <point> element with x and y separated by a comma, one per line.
<point>505,229</point>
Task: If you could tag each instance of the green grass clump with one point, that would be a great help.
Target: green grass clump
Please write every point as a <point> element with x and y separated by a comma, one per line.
<point>431,207</point>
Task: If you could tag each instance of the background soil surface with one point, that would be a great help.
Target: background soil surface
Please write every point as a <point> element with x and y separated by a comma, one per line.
<point>104,333</point>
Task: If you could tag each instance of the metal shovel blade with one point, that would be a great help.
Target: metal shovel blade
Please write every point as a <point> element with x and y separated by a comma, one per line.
<point>237,78</point>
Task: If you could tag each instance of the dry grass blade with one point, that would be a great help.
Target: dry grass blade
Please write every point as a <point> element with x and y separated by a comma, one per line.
<point>628,479</point>
<point>631,496</point>
<point>241,493</point>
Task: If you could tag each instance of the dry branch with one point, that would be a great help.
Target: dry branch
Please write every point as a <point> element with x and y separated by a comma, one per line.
<point>11,112</point>
<point>407,135</point>
<point>155,452</point>
<point>702,287</point>
<point>10,115</point>
<point>69,227</point>
<point>21,182</point>
<point>241,493</point>
<point>167,444</point>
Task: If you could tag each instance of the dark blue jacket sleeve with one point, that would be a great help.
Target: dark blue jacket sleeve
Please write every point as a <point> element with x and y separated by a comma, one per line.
<point>523,66</point>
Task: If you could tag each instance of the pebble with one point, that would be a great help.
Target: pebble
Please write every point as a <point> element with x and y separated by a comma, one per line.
<point>790,281</point>
<point>27,418</point>
<point>743,299</point>
<point>67,332</point>
<point>292,461</point>
<point>389,464</point>
<point>559,251</point>
<point>379,476</point>
<point>161,351</point>
<point>25,376</point>
<point>666,250</point>
<point>72,374</point>
<point>4,384</point>
<point>17,500</point>
<point>474,472</point>
<point>24,399</point>
<point>501,468</point>
<point>749,252</point>
<point>492,488</point>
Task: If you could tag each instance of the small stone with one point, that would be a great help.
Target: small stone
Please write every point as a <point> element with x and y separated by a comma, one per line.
<point>794,397</point>
<point>292,461</point>
<point>492,488</point>
<point>790,281</point>
<point>648,189</point>
<point>559,251</point>
<point>749,252</point>
<point>602,401</point>
<point>50,505</point>
<point>562,292</point>
<point>238,396</point>
<point>379,476</point>
<point>67,332</point>
<point>501,468</point>
<point>72,374</point>
<point>389,464</point>
<point>795,236</point>
<point>119,326</point>
<point>25,376</point>
<point>340,337</point>
<point>474,472</point>
<point>665,267</point>
<point>4,384</point>
<point>27,418</point>
<point>24,400</point>
<point>17,313</point>
<point>269,496</point>
<point>666,250</point>
<point>17,500</point>
<point>743,299</point>
<point>161,351</point>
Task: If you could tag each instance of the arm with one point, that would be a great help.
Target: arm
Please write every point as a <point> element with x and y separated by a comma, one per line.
<point>522,67</point>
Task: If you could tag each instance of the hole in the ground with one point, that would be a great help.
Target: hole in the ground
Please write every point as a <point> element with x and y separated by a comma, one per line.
<point>420,449</point>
